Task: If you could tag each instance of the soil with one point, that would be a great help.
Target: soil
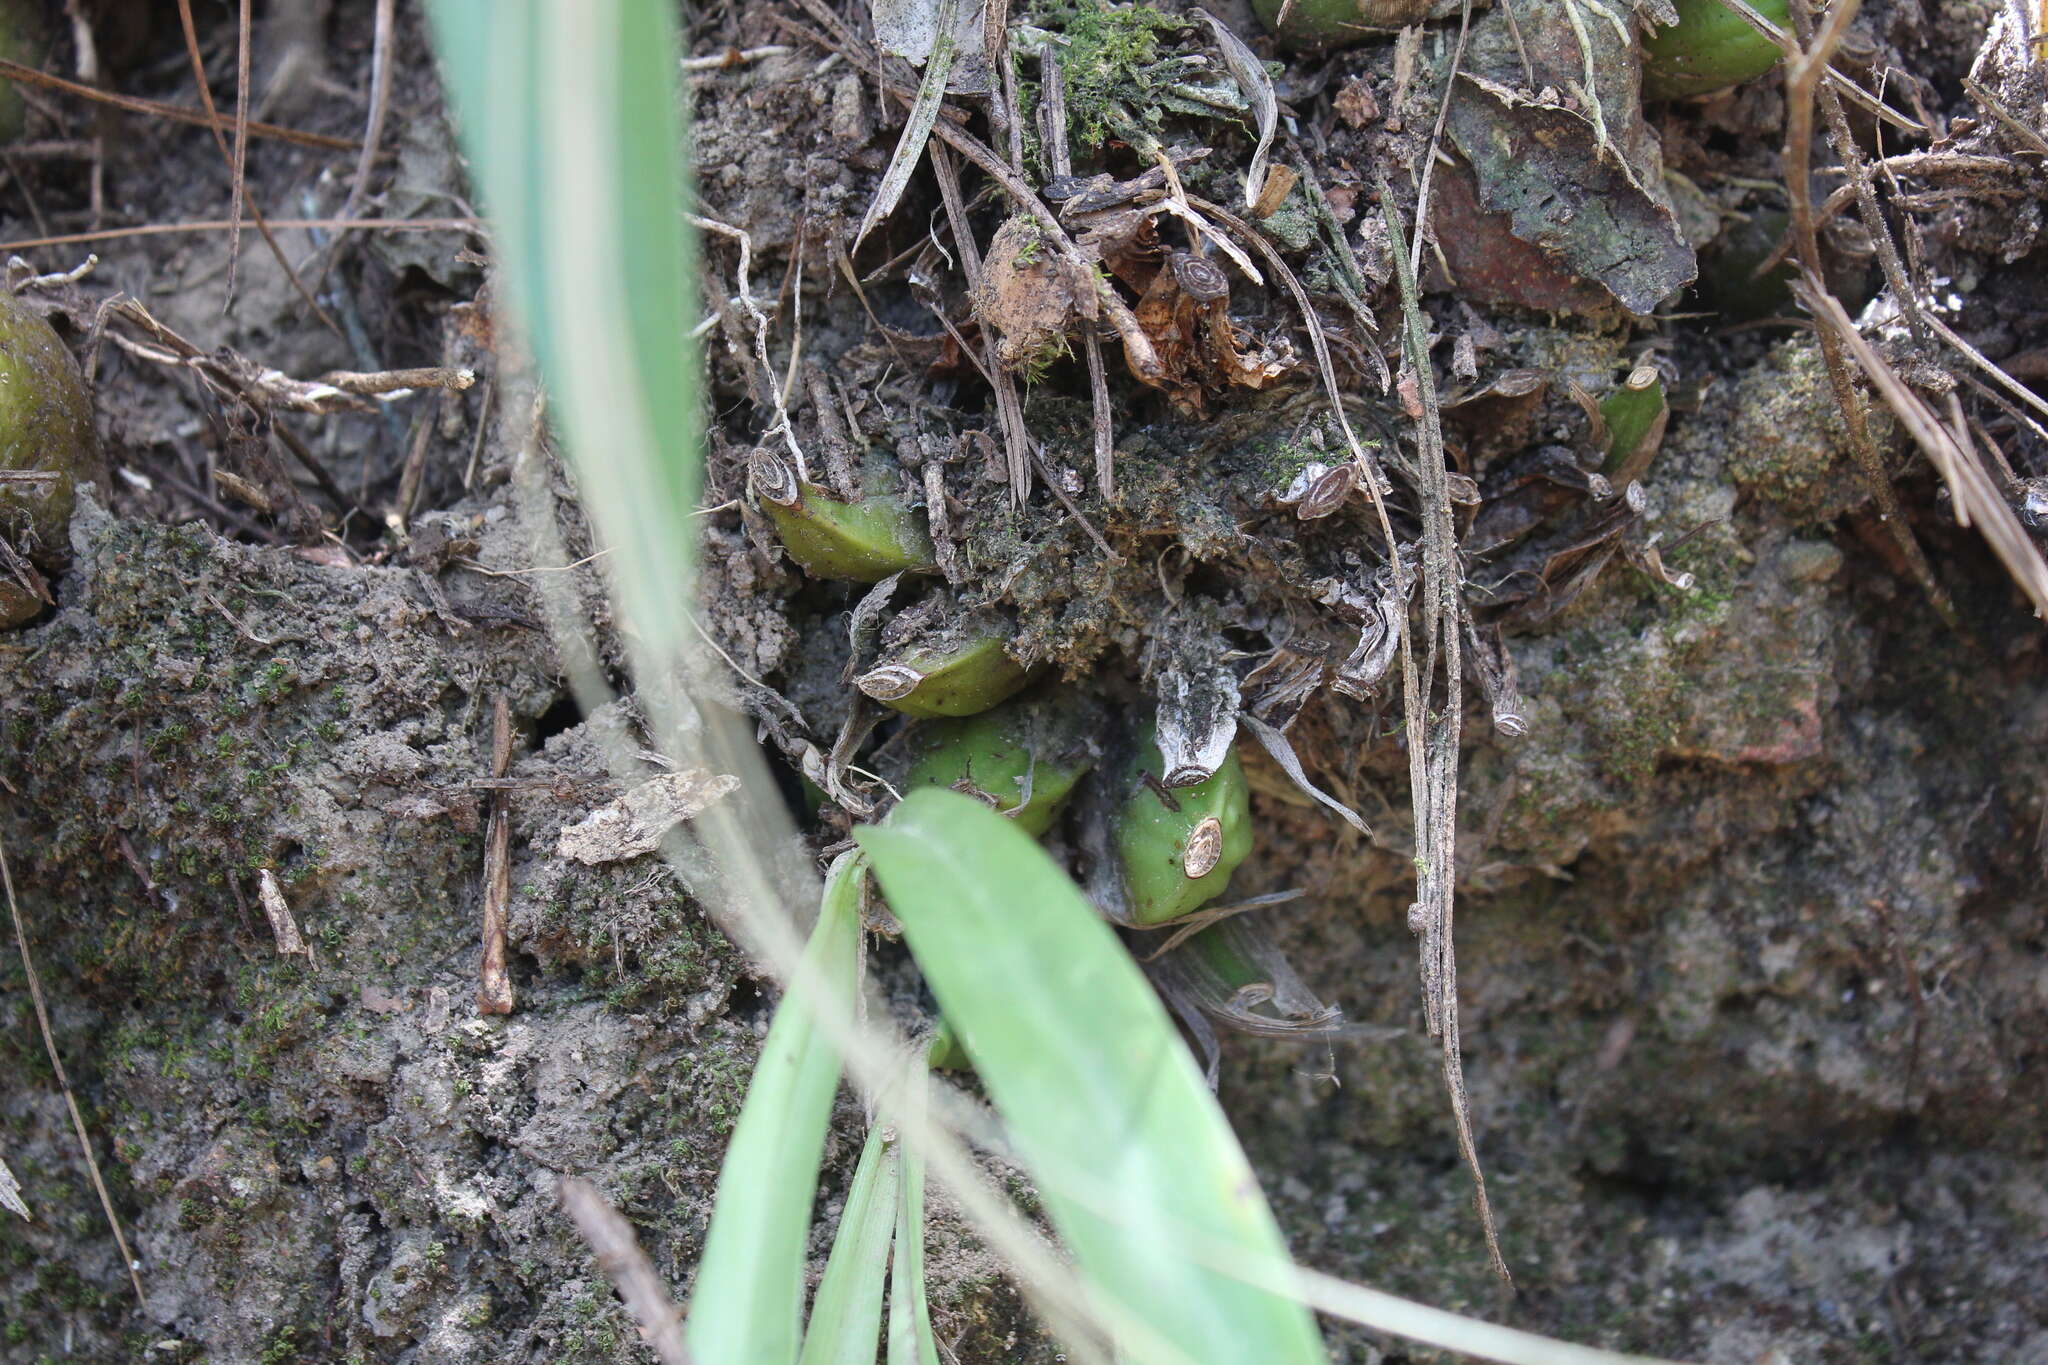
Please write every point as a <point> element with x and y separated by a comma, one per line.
<point>1753,973</point>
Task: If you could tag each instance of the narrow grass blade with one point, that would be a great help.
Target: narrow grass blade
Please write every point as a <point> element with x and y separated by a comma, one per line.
<point>846,1315</point>
<point>748,1297</point>
<point>1131,1153</point>
<point>910,1316</point>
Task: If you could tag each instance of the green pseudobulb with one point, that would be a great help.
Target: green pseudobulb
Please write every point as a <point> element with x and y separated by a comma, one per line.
<point>45,427</point>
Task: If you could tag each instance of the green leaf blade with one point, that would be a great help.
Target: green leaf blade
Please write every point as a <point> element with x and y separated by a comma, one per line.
<point>748,1298</point>
<point>846,1315</point>
<point>1092,1080</point>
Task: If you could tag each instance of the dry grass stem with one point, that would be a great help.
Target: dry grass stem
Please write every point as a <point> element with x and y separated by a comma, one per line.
<point>237,160</point>
<point>494,984</point>
<point>619,1256</point>
<point>1433,743</point>
<point>35,992</point>
<point>1977,499</point>
<point>1802,76</point>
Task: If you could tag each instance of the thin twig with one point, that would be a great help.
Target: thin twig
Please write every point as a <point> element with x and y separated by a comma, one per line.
<point>35,992</point>
<point>1436,135</point>
<point>1802,75</point>
<point>236,160</point>
<point>1368,472</point>
<point>239,167</point>
<point>373,130</point>
<point>476,225</point>
<point>733,56</point>
<point>619,1256</point>
<point>1433,745</point>
<point>760,323</point>
<point>177,113</point>
<point>1999,112</point>
<point>1052,105</point>
<point>494,985</point>
<point>1009,407</point>
<point>1139,353</point>
<point>1977,499</point>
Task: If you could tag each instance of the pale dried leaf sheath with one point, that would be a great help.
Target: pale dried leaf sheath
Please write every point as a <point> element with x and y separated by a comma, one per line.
<point>283,926</point>
<point>1250,74</point>
<point>1197,722</point>
<point>633,825</point>
<point>1281,750</point>
<point>917,126</point>
<point>10,1192</point>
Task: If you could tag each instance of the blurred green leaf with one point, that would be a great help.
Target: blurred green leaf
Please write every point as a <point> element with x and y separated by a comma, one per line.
<point>846,1314</point>
<point>748,1298</point>
<point>571,119</point>
<point>1089,1076</point>
<point>910,1317</point>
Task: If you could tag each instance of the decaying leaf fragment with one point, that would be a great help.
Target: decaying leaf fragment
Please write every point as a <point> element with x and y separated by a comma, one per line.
<point>634,824</point>
<point>1571,162</point>
<point>10,1192</point>
<point>911,29</point>
<point>1185,309</point>
<point>1231,976</point>
<point>1027,296</point>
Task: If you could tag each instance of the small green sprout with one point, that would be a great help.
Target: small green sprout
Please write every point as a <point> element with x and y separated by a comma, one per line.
<point>1710,48</point>
<point>1635,415</point>
<point>863,542</point>
<point>1178,848</point>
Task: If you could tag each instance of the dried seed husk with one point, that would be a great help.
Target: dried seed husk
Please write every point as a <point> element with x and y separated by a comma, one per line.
<point>962,671</point>
<point>1024,757</point>
<point>45,427</point>
<point>1710,48</point>
<point>860,542</point>
<point>1160,835</point>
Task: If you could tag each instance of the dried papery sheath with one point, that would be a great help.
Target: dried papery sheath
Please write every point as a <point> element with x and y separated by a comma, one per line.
<point>963,668</point>
<point>1276,744</point>
<point>1158,835</point>
<point>1202,280</point>
<point>862,542</point>
<point>772,478</point>
<point>1496,670</point>
<point>1379,641</point>
<point>1328,493</point>
<point>1234,974</point>
<point>1197,721</point>
<point>1250,74</point>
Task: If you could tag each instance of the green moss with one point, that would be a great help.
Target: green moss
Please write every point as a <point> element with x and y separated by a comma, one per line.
<point>1108,63</point>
